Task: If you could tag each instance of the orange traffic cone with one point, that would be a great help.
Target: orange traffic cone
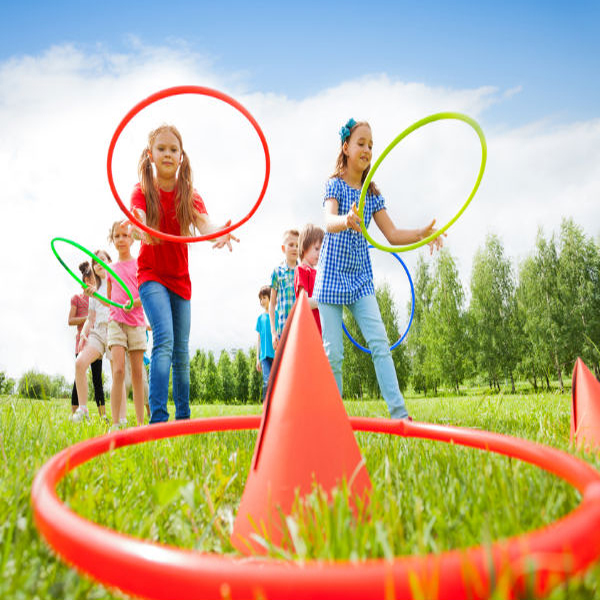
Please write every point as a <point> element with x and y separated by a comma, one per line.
<point>305,436</point>
<point>585,413</point>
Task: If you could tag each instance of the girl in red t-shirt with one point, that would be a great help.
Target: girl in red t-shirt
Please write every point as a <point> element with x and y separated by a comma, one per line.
<point>165,200</point>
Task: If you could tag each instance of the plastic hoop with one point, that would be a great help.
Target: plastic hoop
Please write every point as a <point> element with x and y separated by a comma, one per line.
<point>175,91</point>
<point>104,265</point>
<point>162,572</point>
<point>412,311</point>
<point>407,131</point>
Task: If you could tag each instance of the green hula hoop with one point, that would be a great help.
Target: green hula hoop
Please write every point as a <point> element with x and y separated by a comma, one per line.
<point>413,127</point>
<point>98,260</point>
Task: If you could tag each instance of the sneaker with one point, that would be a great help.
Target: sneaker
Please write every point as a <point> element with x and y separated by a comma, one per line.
<point>123,422</point>
<point>81,414</point>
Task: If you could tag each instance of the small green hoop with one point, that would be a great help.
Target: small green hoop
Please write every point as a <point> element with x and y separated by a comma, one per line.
<point>413,127</point>
<point>98,260</point>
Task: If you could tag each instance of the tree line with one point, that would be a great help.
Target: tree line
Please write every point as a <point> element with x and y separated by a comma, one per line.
<point>527,322</point>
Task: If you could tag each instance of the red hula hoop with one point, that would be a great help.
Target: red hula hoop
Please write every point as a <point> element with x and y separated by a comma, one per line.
<point>175,91</point>
<point>545,557</point>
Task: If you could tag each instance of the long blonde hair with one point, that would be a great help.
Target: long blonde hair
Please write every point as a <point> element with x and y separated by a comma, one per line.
<point>342,162</point>
<point>185,210</point>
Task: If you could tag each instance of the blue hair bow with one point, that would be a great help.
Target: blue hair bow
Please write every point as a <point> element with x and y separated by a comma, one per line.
<point>345,130</point>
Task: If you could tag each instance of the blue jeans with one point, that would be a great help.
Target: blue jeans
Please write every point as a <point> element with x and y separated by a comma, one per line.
<point>366,312</point>
<point>170,318</point>
<point>265,365</point>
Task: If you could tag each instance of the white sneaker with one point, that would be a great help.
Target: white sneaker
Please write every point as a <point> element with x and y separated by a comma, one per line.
<point>123,422</point>
<point>81,414</point>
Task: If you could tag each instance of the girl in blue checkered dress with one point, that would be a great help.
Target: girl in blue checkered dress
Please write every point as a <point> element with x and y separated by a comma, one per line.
<point>344,272</point>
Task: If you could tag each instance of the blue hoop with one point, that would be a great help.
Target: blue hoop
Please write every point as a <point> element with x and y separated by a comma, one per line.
<point>412,310</point>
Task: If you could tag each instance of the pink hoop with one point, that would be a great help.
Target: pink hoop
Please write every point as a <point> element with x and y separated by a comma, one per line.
<point>175,91</point>
<point>158,571</point>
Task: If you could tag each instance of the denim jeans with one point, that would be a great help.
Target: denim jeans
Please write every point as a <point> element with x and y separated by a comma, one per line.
<point>366,312</point>
<point>170,317</point>
<point>265,365</point>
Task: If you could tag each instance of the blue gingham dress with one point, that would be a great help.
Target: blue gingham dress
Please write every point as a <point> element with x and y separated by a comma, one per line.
<point>344,272</point>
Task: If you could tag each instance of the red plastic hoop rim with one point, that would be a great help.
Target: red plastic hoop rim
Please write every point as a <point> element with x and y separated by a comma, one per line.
<point>167,93</point>
<point>158,571</point>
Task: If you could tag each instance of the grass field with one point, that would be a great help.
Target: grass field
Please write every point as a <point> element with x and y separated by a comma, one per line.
<point>428,496</point>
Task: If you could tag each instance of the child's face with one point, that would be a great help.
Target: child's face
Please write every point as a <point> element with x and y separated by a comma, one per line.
<point>264,302</point>
<point>122,238</point>
<point>359,148</point>
<point>166,154</point>
<point>98,268</point>
<point>311,256</point>
<point>290,249</point>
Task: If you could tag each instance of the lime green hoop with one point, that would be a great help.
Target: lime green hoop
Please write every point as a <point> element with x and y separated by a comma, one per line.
<point>98,260</point>
<point>413,127</point>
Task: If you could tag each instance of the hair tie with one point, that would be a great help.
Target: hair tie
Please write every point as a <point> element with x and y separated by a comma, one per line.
<point>346,129</point>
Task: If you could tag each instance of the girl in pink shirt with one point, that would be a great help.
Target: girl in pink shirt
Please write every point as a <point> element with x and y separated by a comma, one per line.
<point>126,328</point>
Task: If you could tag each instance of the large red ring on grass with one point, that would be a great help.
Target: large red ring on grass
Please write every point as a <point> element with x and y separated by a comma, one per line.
<point>544,557</point>
<point>175,91</point>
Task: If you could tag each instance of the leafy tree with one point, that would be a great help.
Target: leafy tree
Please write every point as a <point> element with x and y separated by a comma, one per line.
<point>7,385</point>
<point>493,312</point>
<point>197,365</point>
<point>241,376</point>
<point>389,316</point>
<point>579,295</point>
<point>358,373</point>
<point>225,370</point>
<point>541,306</point>
<point>212,389</point>
<point>254,377</point>
<point>34,384</point>
<point>416,343</point>
<point>445,328</point>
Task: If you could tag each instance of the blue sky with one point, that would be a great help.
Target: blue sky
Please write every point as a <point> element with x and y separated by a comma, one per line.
<point>549,50</point>
<point>69,71</point>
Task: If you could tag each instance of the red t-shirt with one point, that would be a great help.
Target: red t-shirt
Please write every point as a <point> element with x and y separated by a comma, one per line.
<point>305,277</point>
<point>165,262</point>
<point>81,303</point>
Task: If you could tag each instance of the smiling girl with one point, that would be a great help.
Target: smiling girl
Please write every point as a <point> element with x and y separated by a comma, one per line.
<point>166,200</point>
<point>344,272</point>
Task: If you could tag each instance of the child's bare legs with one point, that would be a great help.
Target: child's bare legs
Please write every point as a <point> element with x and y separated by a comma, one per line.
<point>117,393</point>
<point>84,359</point>
<point>136,359</point>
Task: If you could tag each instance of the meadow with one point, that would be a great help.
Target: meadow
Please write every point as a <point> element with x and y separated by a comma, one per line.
<point>427,497</point>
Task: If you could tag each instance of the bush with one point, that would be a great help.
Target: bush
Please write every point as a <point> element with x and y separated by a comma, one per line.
<point>41,386</point>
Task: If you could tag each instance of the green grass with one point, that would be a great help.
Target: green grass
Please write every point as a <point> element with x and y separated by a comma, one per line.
<point>427,497</point>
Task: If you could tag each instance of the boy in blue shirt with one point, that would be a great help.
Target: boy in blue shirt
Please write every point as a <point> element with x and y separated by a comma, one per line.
<point>264,345</point>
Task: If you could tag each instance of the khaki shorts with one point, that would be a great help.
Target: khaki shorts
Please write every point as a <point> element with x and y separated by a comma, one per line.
<point>97,339</point>
<point>132,338</point>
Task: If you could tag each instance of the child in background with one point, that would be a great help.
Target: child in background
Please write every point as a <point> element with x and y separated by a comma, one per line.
<point>92,342</point>
<point>309,243</point>
<point>126,328</point>
<point>344,273</point>
<point>166,200</point>
<point>264,344</point>
<point>282,285</point>
<point>77,317</point>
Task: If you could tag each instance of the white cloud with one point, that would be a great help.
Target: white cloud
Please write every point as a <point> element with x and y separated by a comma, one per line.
<point>58,112</point>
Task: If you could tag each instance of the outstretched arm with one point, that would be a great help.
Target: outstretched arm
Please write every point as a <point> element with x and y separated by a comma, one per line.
<point>205,226</point>
<point>401,237</point>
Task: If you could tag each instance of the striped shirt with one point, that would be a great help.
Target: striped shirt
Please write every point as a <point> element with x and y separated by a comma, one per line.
<point>344,272</point>
<point>282,280</point>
